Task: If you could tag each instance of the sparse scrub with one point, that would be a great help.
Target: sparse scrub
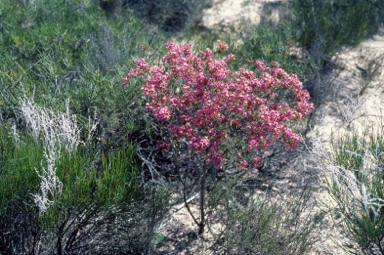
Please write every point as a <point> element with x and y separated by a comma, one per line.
<point>262,224</point>
<point>109,179</point>
<point>370,68</point>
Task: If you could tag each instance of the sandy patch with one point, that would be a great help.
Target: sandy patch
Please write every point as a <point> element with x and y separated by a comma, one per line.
<point>224,13</point>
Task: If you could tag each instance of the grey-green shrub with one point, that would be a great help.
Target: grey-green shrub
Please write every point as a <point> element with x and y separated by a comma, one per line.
<point>53,51</point>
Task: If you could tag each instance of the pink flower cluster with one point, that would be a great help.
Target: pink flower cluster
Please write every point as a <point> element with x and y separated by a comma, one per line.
<point>203,101</point>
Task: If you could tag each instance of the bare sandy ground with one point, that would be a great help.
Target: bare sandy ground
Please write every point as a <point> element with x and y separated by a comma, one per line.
<point>234,12</point>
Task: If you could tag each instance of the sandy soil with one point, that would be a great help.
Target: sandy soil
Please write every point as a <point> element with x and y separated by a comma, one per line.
<point>234,12</point>
<point>356,101</point>
<point>354,98</point>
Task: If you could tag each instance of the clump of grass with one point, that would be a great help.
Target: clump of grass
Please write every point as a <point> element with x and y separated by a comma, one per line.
<point>355,181</point>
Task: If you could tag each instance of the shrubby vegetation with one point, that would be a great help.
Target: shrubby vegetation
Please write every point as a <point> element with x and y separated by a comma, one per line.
<point>81,172</point>
<point>325,27</point>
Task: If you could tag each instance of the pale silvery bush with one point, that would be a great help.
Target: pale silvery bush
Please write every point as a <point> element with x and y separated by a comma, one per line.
<point>56,131</point>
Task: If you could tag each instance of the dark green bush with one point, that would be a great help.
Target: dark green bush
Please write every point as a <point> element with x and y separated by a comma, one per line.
<point>324,27</point>
<point>103,200</point>
<point>171,15</point>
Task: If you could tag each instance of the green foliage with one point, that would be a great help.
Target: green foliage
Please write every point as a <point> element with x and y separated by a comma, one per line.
<point>326,26</point>
<point>17,168</point>
<point>275,44</point>
<point>171,15</point>
<point>99,191</point>
<point>54,50</point>
<point>356,184</point>
<point>114,182</point>
<point>118,180</point>
<point>349,151</point>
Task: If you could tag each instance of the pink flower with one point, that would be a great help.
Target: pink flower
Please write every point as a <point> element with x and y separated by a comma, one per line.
<point>162,113</point>
<point>222,46</point>
<point>212,107</point>
<point>141,68</point>
<point>261,66</point>
<point>229,58</point>
<point>242,165</point>
<point>163,145</point>
<point>257,162</point>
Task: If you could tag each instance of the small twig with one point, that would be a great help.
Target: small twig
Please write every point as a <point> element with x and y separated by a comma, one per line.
<point>177,208</point>
<point>150,165</point>
<point>180,206</point>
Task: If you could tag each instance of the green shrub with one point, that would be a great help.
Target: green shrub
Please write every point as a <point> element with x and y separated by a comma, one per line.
<point>101,196</point>
<point>324,27</point>
<point>17,167</point>
<point>275,44</point>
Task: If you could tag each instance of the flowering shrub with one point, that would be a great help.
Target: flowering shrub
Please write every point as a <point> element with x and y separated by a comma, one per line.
<point>212,107</point>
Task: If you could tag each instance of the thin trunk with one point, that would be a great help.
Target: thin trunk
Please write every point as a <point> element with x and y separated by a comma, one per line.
<point>202,197</point>
<point>59,244</point>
